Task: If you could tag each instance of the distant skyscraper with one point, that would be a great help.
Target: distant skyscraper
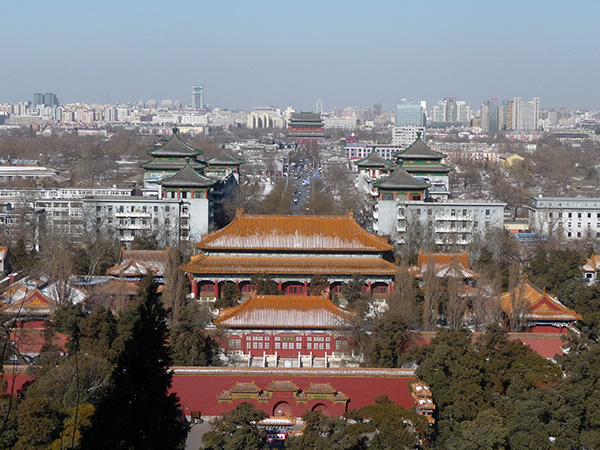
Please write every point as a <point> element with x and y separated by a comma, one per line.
<point>198,96</point>
<point>526,115</point>
<point>319,107</point>
<point>47,99</point>
<point>38,98</point>
<point>489,115</point>
<point>452,111</point>
<point>409,113</point>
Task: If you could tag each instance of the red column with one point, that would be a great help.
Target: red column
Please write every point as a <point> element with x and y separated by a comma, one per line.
<point>194,288</point>
<point>391,287</point>
<point>306,288</point>
<point>280,286</point>
<point>216,290</point>
<point>369,287</point>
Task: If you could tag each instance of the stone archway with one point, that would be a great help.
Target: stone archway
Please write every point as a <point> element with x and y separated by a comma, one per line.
<point>282,408</point>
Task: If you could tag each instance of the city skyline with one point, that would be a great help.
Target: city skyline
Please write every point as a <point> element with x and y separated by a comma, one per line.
<point>268,53</point>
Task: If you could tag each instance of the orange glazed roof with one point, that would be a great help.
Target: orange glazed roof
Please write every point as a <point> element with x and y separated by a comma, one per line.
<point>286,311</point>
<point>542,306</point>
<point>140,263</point>
<point>279,232</point>
<point>444,265</point>
<point>592,264</point>
<point>209,264</point>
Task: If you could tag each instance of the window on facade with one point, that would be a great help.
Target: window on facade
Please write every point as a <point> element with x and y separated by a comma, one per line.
<point>248,288</point>
<point>589,215</point>
<point>277,345</point>
<point>387,196</point>
<point>453,213</point>
<point>207,288</point>
<point>309,346</point>
<point>341,345</point>
<point>487,212</point>
<point>294,289</point>
<point>579,234</point>
<point>380,290</point>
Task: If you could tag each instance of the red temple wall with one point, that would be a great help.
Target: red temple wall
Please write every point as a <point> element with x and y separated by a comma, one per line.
<point>198,392</point>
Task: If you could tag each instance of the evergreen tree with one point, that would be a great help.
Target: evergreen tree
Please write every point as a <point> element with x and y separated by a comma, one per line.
<point>237,429</point>
<point>265,284</point>
<point>389,341</point>
<point>137,411</point>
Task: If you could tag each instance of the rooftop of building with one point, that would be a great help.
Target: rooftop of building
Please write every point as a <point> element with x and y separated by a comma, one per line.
<point>400,179</point>
<point>175,147</point>
<point>294,233</point>
<point>539,304</point>
<point>286,311</point>
<point>187,177</point>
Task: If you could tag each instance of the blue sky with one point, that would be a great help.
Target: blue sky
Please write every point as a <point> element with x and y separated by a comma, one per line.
<point>291,53</point>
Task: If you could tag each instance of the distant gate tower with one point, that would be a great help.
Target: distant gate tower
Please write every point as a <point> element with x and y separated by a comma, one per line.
<point>198,96</point>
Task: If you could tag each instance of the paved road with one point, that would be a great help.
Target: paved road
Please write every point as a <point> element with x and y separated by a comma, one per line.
<point>194,439</point>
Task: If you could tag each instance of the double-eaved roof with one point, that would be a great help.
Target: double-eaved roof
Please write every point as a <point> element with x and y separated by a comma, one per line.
<point>175,148</point>
<point>288,265</point>
<point>294,233</point>
<point>400,179</point>
<point>187,177</point>
<point>374,160</point>
<point>286,311</point>
<point>223,158</point>
<point>419,151</point>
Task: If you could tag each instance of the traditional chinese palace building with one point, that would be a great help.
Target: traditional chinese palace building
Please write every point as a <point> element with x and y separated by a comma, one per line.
<point>541,311</point>
<point>287,331</point>
<point>306,127</point>
<point>291,249</point>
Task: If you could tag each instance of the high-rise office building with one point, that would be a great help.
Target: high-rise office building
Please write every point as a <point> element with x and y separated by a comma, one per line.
<point>198,96</point>
<point>47,99</point>
<point>319,109</point>
<point>490,115</point>
<point>409,113</point>
<point>451,111</point>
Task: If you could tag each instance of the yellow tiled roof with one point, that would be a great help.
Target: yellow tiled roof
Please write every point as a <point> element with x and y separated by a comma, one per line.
<point>281,232</point>
<point>207,264</point>
<point>286,311</point>
<point>542,306</point>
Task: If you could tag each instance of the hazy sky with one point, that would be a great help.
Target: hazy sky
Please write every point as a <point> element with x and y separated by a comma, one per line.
<point>291,53</point>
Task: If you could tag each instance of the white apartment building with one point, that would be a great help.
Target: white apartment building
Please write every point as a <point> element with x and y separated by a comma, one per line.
<point>566,217</point>
<point>362,150</point>
<point>526,115</point>
<point>74,212</point>
<point>404,135</point>
<point>449,223</point>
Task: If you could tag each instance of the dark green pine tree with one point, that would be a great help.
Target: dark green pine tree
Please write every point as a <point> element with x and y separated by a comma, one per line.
<point>137,411</point>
